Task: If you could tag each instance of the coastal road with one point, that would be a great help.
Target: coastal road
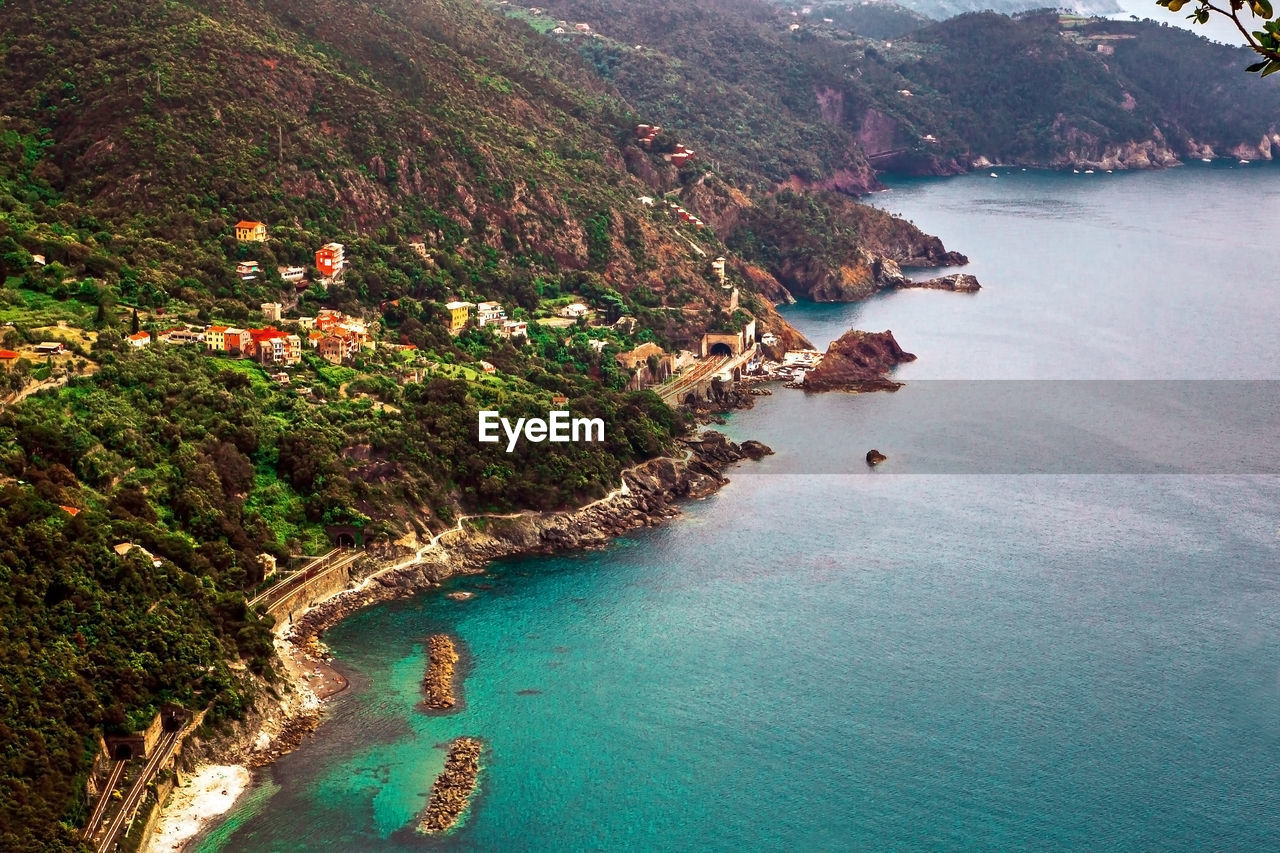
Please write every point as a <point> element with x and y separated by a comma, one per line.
<point>164,748</point>
<point>117,770</point>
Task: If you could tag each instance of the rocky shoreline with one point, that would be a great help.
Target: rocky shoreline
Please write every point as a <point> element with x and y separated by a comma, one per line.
<point>280,721</point>
<point>452,790</point>
<point>651,493</point>
<point>438,682</point>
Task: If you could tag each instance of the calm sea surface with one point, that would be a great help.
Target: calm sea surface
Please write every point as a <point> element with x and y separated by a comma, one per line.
<point>1030,657</point>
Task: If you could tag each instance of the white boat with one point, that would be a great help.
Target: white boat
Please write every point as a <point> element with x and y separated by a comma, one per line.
<point>1075,171</point>
<point>994,175</point>
<point>1088,171</point>
<point>1244,162</point>
<point>1206,159</point>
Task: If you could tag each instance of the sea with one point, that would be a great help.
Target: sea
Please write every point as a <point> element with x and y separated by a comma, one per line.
<point>1050,620</point>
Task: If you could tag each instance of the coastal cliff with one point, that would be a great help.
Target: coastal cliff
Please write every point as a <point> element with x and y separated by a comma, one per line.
<point>650,495</point>
<point>858,361</point>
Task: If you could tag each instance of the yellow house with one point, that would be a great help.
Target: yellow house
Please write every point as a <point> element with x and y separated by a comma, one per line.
<point>459,313</point>
<point>215,338</point>
<point>251,232</point>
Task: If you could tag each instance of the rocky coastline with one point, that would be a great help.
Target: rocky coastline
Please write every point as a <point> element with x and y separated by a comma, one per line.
<point>652,490</point>
<point>281,719</point>
<point>452,790</point>
<point>438,682</point>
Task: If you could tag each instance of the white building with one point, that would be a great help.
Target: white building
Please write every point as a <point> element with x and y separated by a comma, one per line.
<point>271,311</point>
<point>490,312</point>
<point>574,311</point>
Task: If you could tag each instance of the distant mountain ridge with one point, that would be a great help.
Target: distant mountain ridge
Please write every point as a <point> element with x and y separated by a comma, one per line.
<point>802,101</point>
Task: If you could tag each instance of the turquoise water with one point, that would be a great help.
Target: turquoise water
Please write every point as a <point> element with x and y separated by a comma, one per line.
<point>888,661</point>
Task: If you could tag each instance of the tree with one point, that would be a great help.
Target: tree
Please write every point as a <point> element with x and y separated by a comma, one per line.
<point>134,325</point>
<point>1264,42</point>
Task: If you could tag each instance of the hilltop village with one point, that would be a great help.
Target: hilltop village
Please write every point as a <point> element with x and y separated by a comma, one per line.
<point>287,337</point>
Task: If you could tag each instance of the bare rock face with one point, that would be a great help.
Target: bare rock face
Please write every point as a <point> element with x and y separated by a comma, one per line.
<point>959,282</point>
<point>858,361</point>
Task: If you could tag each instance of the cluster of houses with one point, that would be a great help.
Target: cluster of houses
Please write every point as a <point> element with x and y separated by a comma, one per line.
<point>561,27</point>
<point>331,258</point>
<point>487,314</point>
<point>647,133</point>
<point>334,335</point>
<point>685,216</point>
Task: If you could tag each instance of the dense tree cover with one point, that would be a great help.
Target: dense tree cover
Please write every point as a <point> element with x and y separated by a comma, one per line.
<point>206,465</point>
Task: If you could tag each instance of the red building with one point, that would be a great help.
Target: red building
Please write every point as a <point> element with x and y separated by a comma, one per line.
<point>330,260</point>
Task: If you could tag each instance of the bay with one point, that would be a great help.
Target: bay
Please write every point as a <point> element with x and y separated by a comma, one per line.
<point>886,660</point>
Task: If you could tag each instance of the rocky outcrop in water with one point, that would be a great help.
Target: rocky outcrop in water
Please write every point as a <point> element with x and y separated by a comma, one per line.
<point>438,683</point>
<point>858,361</point>
<point>958,282</point>
<point>453,787</point>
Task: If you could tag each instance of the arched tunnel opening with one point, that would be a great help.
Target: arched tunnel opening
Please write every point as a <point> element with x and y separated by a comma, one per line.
<point>719,349</point>
<point>123,752</point>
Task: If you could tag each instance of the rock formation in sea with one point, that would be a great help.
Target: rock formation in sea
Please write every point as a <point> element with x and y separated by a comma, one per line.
<point>438,682</point>
<point>858,361</point>
<point>959,282</point>
<point>453,787</point>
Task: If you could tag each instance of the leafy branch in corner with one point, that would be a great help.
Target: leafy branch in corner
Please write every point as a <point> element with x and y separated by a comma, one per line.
<point>1264,42</point>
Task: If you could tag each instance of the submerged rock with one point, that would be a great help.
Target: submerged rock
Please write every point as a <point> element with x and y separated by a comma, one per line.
<point>875,457</point>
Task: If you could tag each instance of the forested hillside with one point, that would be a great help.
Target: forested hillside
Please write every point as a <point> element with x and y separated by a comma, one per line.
<point>463,154</point>
<point>782,90</point>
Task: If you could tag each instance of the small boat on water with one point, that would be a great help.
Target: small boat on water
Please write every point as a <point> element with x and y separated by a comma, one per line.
<point>1088,171</point>
<point>1244,162</point>
<point>1206,159</point>
<point>1075,171</point>
<point>994,175</point>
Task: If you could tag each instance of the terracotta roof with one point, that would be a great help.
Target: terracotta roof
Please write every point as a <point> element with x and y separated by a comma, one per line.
<point>140,336</point>
<point>260,335</point>
<point>8,353</point>
<point>70,510</point>
<point>245,223</point>
<point>218,328</point>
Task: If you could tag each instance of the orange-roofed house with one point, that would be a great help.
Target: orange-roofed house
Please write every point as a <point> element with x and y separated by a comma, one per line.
<point>248,231</point>
<point>215,339</point>
<point>237,342</point>
<point>8,358</point>
<point>330,259</point>
<point>272,346</point>
<point>138,340</point>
